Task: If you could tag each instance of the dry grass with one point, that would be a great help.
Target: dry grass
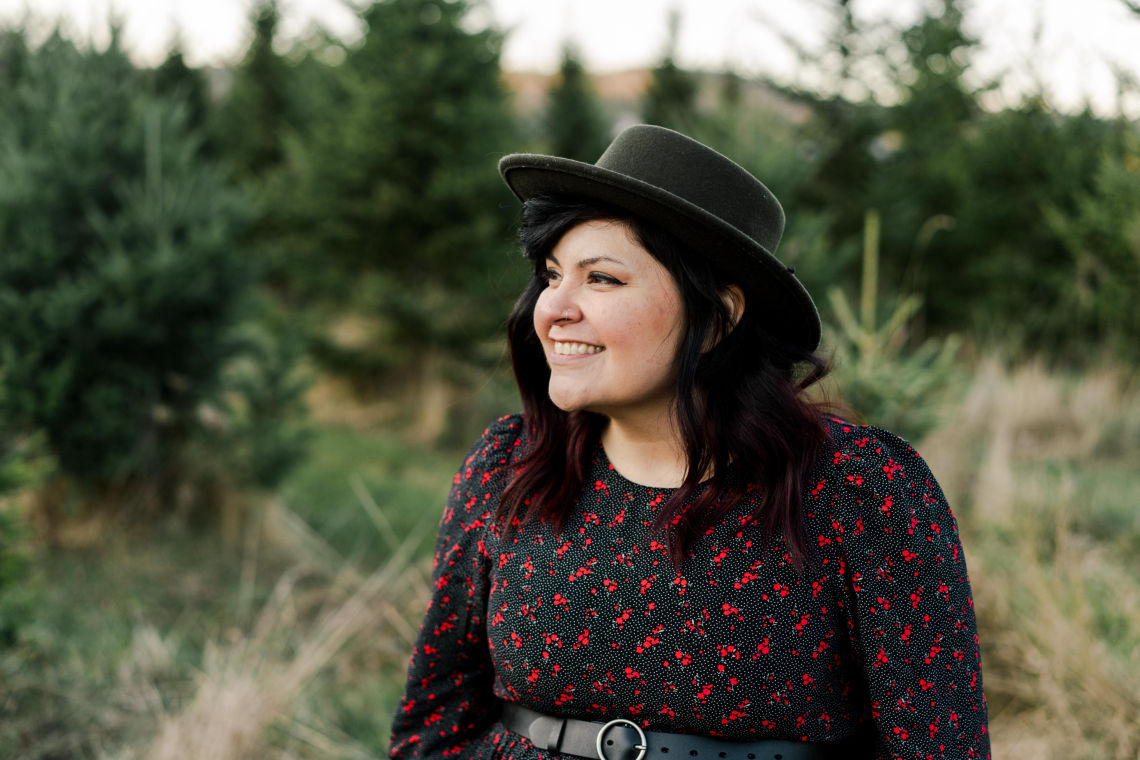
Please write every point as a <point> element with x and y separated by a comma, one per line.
<point>251,697</point>
<point>1059,610</point>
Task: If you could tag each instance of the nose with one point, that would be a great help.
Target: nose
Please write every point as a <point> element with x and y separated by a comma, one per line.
<point>557,306</point>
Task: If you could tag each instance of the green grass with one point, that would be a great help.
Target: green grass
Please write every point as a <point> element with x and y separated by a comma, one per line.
<point>61,681</point>
<point>408,483</point>
<point>1109,493</point>
<point>68,686</point>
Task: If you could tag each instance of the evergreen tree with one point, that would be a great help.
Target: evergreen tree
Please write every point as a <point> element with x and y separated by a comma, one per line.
<point>770,146</point>
<point>174,80</point>
<point>922,180</point>
<point>1016,269</point>
<point>391,206</point>
<point>119,278</point>
<point>575,124</point>
<point>671,100</point>
<point>1014,225</point>
<point>842,132</point>
<point>252,120</point>
<point>732,92</point>
<point>1102,238</point>
<point>14,55</point>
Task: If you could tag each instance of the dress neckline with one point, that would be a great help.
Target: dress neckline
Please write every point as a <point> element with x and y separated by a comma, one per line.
<point>626,483</point>
<point>622,480</point>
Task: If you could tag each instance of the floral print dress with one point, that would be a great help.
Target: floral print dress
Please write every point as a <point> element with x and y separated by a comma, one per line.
<point>875,638</point>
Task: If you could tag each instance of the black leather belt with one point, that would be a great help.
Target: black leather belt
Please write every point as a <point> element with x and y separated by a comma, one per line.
<point>623,739</point>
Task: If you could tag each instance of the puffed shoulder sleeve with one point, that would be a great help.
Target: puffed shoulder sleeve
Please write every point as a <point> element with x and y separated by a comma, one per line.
<point>448,697</point>
<point>910,610</point>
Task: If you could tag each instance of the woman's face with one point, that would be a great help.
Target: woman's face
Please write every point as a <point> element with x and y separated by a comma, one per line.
<point>611,324</point>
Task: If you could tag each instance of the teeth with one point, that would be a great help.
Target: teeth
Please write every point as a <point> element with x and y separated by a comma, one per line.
<point>569,349</point>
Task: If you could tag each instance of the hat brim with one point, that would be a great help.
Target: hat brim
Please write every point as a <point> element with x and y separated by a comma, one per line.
<point>785,307</point>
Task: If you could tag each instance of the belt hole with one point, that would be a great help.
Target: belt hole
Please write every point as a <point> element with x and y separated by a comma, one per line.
<point>610,743</point>
<point>751,756</point>
<point>664,750</point>
<point>723,754</point>
<point>693,753</point>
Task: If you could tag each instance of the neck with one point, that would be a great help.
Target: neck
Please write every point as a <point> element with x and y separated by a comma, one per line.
<point>648,452</point>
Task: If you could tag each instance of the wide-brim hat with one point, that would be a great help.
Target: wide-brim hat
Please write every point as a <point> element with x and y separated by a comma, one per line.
<point>707,200</point>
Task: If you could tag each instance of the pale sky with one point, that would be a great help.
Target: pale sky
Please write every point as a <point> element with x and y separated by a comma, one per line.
<point>1070,45</point>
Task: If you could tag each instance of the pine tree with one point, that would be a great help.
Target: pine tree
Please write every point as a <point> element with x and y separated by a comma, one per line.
<point>391,205</point>
<point>575,123</point>
<point>1018,253</point>
<point>120,278</point>
<point>174,80</point>
<point>1097,300</point>
<point>14,56</point>
<point>671,100</point>
<point>252,120</point>
<point>732,92</point>
<point>923,180</point>
<point>843,130</point>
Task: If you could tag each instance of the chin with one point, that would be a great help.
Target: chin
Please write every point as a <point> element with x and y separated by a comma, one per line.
<point>565,405</point>
<point>567,401</point>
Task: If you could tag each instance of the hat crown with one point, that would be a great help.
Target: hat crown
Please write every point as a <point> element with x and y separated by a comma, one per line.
<point>698,174</point>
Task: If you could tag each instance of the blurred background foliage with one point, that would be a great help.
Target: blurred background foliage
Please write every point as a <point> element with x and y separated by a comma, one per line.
<point>249,318</point>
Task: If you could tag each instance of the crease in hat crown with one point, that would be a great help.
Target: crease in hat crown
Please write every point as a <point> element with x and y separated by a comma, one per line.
<point>707,200</point>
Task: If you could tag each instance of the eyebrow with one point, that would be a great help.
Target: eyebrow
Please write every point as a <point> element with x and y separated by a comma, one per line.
<point>588,262</point>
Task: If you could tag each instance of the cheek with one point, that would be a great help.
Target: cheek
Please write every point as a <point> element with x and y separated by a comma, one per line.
<point>666,313</point>
<point>653,333</point>
<point>665,328</point>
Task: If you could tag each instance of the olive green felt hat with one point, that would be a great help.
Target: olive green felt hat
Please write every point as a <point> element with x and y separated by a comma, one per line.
<point>703,198</point>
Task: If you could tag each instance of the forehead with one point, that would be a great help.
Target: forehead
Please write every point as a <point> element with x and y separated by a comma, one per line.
<point>602,239</point>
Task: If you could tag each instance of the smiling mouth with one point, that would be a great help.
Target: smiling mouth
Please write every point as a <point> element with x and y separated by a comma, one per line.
<point>565,348</point>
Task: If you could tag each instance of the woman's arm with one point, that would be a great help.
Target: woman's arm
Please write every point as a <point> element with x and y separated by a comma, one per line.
<point>448,698</point>
<point>910,607</point>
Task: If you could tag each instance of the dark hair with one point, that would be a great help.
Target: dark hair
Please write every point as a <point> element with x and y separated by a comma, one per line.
<point>739,403</point>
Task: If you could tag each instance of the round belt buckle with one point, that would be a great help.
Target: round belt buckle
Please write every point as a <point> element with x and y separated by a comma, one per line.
<point>642,748</point>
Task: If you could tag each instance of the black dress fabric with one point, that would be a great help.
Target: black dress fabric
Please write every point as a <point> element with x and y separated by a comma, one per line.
<point>876,638</point>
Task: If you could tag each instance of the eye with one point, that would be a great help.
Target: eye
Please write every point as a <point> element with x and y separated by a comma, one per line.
<point>604,279</point>
<point>549,275</point>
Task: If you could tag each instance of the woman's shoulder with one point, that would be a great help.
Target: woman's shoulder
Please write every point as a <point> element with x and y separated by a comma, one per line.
<point>864,466</point>
<point>856,448</point>
<point>485,472</point>
<point>499,444</point>
<point>508,427</point>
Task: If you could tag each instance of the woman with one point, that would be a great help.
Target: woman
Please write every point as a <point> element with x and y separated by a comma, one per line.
<point>673,552</point>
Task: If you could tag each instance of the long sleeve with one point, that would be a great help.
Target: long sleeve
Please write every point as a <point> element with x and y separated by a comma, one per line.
<point>910,609</point>
<point>448,698</point>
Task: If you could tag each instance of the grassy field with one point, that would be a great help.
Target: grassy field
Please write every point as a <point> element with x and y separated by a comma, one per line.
<point>1044,471</point>
<point>291,641</point>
